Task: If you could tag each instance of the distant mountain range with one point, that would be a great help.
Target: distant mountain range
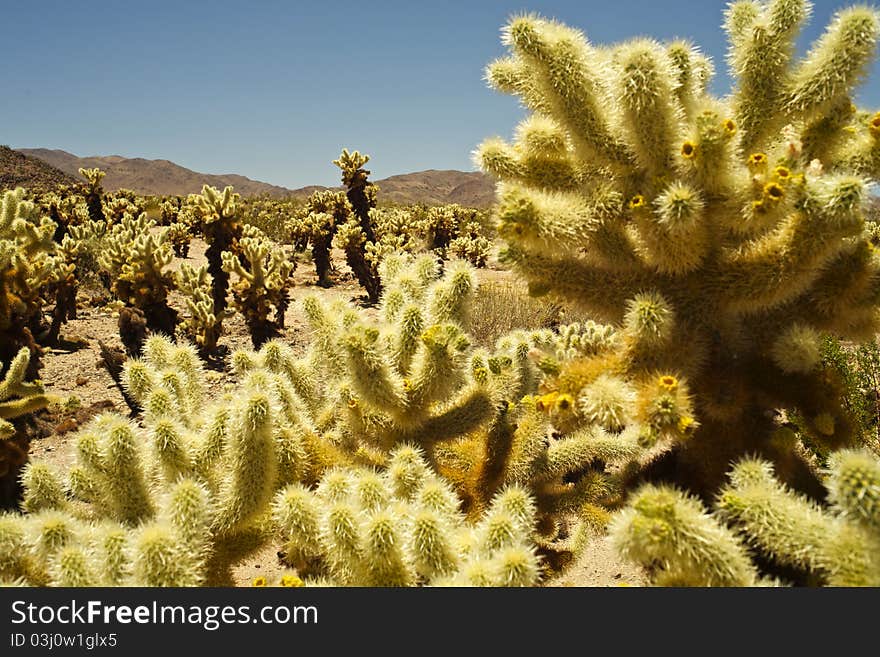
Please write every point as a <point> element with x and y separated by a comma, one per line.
<point>163,177</point>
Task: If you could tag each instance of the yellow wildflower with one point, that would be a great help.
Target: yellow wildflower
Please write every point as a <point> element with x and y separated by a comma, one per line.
<point>668,382</point>
<point>291,581</point>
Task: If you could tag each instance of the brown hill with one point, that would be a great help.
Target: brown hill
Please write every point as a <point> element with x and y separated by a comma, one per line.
<point>434,187</point>
<point>431,187</point>
<point>159,177</point>
<point>19,170</point>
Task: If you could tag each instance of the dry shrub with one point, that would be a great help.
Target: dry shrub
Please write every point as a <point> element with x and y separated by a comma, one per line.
<point>503,306</point>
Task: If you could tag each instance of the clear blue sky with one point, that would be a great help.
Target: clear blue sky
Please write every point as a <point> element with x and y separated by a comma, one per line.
<point>274,90</point>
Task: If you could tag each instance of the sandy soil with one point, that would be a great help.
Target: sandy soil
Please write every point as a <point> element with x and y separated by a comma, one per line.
<point>77,373</point>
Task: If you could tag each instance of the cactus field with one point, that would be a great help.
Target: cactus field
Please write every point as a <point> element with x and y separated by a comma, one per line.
<point>650,363</point>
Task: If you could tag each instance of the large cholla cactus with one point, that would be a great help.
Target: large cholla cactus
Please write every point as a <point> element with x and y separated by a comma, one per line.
<point>261,294</point>
<point>723,235</point>
<point>839,545</point>
<point>402,527</point>
<point>222,229</point>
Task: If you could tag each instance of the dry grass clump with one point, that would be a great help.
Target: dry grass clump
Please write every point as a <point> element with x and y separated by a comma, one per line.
<point>502,306</point>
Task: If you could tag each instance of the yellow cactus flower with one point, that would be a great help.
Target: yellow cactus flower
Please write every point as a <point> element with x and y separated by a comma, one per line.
<point>688,150</point>
<point>546,402</point>
<point>874,125</point>
<point>668,382</point>
<point>291,581</point>
<point>564,402</point>
<point>729,128</point>
<point>685,424</point>
<point>782,173</point>
<point>757,162</point>
<point>637,201</point>
<point>773,192</point>
<point>259,581</point>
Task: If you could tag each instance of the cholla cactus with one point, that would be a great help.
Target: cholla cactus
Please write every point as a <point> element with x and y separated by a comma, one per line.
<point>117,206</point>
<point>406,377</point>
<point>453,230</point>
<point>31,267</point>
<point>402,527</point>
<point>169,210</point>
<point>438,225</point>
<point>370,385</point>
<point>172,501</point>
<point>203,326</point>
<point>325,211</point>
<point>60,206</point>
<point>86,245</point>
<point>472,247</point>
<point>222,229</point>
<point>280,219</point>
<point>180,236</point>
<point>94,193</point>
<point>262,289</point>
<point>360,192</point>
<point>135,258</point>
<point>18,398</point>
<point>181,222</point>
<point>64,289</point>
<point>721,237</point>
<point>398,224</point>
<point>837,544</point>
<point>357,236</point>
